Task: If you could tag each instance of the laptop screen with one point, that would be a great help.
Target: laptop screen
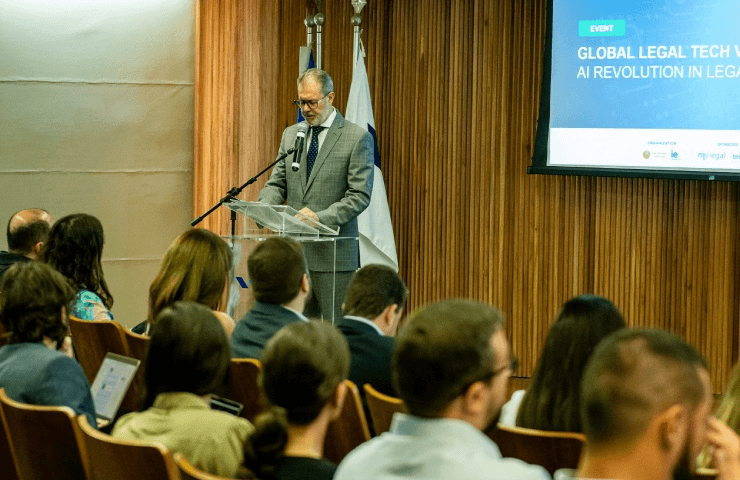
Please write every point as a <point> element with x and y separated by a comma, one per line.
<point>111,383</point>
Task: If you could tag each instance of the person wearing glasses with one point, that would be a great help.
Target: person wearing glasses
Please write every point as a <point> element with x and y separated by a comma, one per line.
<point>452,364</point>
<point>332,185</point>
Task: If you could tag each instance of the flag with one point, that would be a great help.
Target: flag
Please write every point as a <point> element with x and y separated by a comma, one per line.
<point>305,61</point>
<point>377,243</point>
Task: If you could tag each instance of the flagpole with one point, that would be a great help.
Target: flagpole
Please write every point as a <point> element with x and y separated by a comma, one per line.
<point>319,21</point>
<point>358,5</point>
<point>309,23</point>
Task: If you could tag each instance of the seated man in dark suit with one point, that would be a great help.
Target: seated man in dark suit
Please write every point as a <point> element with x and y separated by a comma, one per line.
<point>375,298</point>
<point>37,367</point>
<point>279,281</point>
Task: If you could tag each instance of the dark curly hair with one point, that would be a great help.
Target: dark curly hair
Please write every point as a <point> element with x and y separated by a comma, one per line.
<point>75,248</point>
<point>32,296</point>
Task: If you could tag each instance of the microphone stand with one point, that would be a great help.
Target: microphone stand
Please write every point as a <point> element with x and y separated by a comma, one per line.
<point>233,192</point>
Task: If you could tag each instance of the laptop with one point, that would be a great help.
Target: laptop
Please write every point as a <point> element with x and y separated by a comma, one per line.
<point>111,383</point>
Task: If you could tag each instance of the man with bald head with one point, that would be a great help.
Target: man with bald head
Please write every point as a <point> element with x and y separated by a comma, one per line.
<point>645,411</point>
<point>27,232</point>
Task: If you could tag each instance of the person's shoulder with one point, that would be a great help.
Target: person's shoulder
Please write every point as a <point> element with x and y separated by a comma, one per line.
<point>505,468</point>
<point>358,461</point>
<point>295,468</point>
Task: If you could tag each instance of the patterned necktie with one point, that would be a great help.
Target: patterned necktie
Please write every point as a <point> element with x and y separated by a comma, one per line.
<point>313,150</point>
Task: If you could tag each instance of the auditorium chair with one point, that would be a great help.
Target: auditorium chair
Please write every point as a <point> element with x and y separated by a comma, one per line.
<point>44,441</point>
<point>92,340</point>
<point>381,407</point>
<point>109,458</point>
<point>189,472</point>
<point>552,450</point>
<point>244,386</point>
<point>137,346</point>
<point>349,430</point>
<point>6,452</point>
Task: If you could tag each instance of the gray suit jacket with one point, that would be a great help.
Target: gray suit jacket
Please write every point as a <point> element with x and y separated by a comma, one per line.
<point>338,190</point>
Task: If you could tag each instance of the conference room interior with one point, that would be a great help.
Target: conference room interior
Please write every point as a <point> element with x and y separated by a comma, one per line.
<point>455,88</point>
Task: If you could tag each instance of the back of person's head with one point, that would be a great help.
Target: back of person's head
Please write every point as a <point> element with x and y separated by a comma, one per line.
<point>188,352</point>
<point>195,268</point>
<point>303,365</point>
<point>26,229</point>
<point>633,376</point>
<point>75,249</point>
<point>553,400</point>
<point>372,289</point>
<point>276,268</point>
<point>34,299</point>
<point>441,350</point>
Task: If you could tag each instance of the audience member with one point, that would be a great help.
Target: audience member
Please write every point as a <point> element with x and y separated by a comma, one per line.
<point>37,367</point>
<point>195,268</point>
<point>553,400</point>
<point>279,283</point>
<point>188,361</point>
<point>75,249</point>
<point>728,411</point>
<point>303,368</point>
<point>645,410</point>
<point>27,232</point>
<point>451,367</point>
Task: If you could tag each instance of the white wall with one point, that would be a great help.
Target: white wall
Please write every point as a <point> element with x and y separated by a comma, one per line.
<point>96,116</point>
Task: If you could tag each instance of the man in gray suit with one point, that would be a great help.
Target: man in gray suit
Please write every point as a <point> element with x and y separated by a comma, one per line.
<point>332,185</point>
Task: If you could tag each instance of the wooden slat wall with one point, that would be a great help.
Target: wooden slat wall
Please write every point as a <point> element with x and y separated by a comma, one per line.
<point>455,86</point>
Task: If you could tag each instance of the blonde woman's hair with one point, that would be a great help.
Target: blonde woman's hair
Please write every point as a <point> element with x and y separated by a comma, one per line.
<point>195,268</point>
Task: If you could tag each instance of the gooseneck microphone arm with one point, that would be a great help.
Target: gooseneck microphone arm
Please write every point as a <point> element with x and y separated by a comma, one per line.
<point>234,191</point>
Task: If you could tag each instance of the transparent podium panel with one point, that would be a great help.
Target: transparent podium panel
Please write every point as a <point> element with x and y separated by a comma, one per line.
<point>258,221</point>
<point>240,293</point>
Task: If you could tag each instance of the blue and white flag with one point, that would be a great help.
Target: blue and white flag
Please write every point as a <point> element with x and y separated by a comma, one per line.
<point>305,61</point>
<point>377,243</point>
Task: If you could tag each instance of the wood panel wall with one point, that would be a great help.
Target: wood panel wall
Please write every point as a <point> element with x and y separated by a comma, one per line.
<point>455,87</point>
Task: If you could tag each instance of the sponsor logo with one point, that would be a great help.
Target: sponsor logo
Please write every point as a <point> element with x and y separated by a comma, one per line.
<point>646,154</point>
<point>674,154</point>
<point>711,156</point>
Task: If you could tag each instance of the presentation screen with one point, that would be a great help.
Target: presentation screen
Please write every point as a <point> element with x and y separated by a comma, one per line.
<point>641,88</point>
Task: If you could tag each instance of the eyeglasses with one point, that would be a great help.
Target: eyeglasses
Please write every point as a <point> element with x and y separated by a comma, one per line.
<point>512,366</point>
<point>310,103</point>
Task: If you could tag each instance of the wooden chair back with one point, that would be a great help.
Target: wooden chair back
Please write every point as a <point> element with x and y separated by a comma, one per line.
<point>552,450</point>
<point>381,407</point>
<point>45,441</point>
<point>93,339</point>
<point>6,452</point>
<point>137,346</point>
<point>109,458</point>
<point>245,389</point>
<point>349,430</point>
<point>189,472</point>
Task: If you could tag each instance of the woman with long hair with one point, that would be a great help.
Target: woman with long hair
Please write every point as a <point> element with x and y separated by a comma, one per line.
<point>303,371</point>
<point>553,400</point>
<point>195,268</point>
<point>75,249</point>
<point>187,362</point>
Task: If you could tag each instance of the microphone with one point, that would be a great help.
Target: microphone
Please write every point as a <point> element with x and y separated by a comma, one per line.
<point>298,149</point>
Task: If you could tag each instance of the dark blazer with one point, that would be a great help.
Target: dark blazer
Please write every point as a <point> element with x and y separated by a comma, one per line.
<point>257,327</point>
<point>338,190</point>
<point>371,356</point>
<point>34,374</point>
